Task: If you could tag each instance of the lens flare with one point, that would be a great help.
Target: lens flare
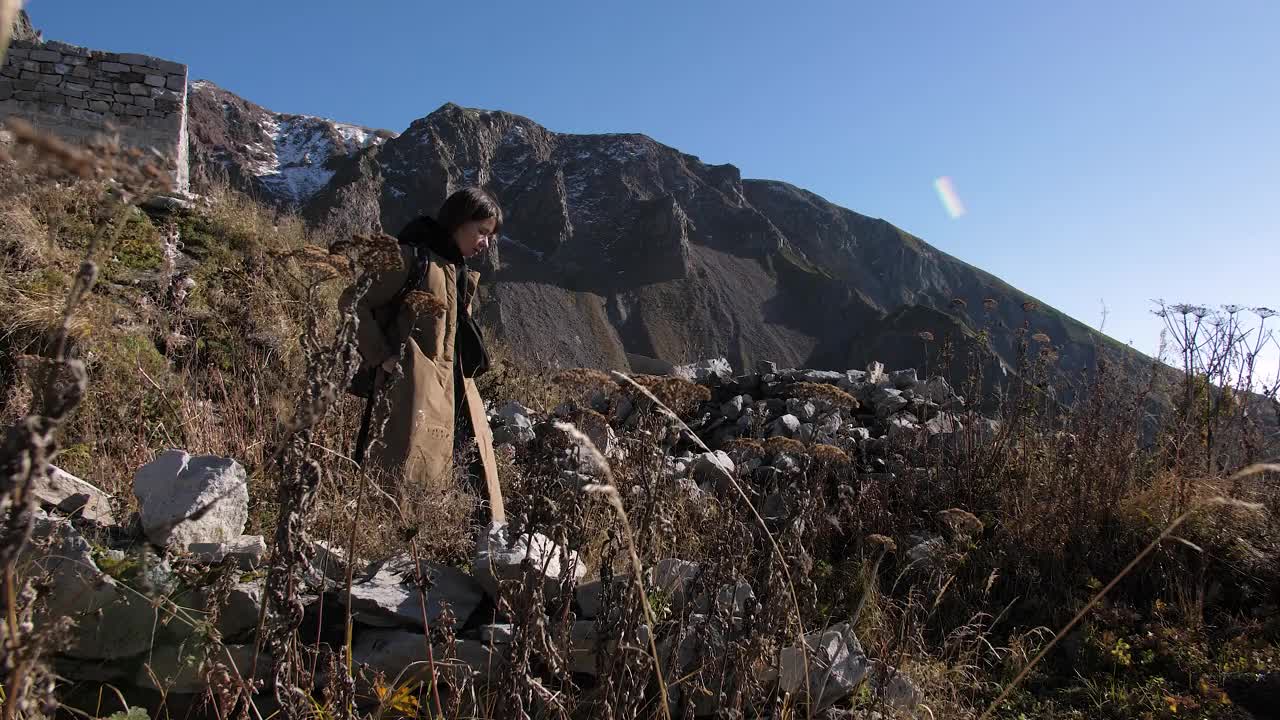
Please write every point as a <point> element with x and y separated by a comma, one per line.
<point>950,198</point>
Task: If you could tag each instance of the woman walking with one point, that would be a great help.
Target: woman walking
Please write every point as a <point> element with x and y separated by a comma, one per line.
<point>418,336</point>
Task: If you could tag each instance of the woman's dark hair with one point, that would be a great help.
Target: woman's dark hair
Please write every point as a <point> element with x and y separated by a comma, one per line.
<point>468,204</point>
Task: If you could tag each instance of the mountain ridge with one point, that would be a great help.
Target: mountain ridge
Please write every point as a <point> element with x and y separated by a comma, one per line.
<point>629,247</point>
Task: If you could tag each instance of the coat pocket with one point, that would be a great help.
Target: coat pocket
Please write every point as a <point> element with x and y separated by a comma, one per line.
<point>433,383</point>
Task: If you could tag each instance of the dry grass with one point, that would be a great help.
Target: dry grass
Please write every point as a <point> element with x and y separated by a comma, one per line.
<point>1031,520</point>
<point>512,381</point>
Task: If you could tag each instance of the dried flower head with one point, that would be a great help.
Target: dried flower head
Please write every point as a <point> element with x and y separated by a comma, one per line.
<point>926,336</point>
<point>317,260</point>
<point>375,253</point>
<point>989,304</point>
<point>823,391</point>
<point>883,541</point>
<point>424,303</point>
<point>961,522</point>
<point>1030,306</point>
<point>829,455</point>
<point>779,444</point>
<point>959,302</point>
<point>743,448</point>
<point>585,378</point>
<point>680,395</point>
<point>1040,337</point>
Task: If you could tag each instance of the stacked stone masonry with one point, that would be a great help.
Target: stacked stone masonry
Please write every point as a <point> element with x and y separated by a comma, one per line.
<point>78,93</point>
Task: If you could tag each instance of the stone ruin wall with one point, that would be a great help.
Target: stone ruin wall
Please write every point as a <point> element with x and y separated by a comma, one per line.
<point>77,93</point>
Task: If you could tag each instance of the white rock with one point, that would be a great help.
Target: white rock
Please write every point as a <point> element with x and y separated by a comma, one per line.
<point>582,647</point>
<point>249,551</point>
<point>243,609</point>
<point>575,479</point>
<point>731,600</point>
<point>902,426</point>
<point>786,426</point>
<point>516,426</point>
<point>702,640</point>
<point>807,433</point>
<point>803,409</point>
<point>589,598</point>
<point>713,467</point>
<point>602,434</point>
<point>786,463</point>
<point>830,423</point>
<point>583,643</point>
<point>671,578</point>
<point>718,368</point>
<point>516,414</point>
<point>112,622</point>
<point>183,668</point>
<point>821,376</point>
<point>927,551</point>
<point>499,634</point>
<point>836,666</point>
<point>389,599</point>
<point>888,401</point>
<point>936,389</point>
<point>499,558</point>
<point>186,499</point>
<point>876,374</point>
<point>328,565</point>
<point>396,651</point>
<point>942,424</point>
<point>896,688</point>
<point>904,379</point>
<point>732,409</point>
<point>70,495</point>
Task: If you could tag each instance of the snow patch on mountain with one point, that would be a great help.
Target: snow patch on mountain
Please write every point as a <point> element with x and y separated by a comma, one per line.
<point>303,146</point>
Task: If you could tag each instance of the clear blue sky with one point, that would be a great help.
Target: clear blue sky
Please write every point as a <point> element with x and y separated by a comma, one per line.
<point>1106,151</point>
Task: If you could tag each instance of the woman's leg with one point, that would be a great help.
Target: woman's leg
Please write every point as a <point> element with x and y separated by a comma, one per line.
<point>467,459</point>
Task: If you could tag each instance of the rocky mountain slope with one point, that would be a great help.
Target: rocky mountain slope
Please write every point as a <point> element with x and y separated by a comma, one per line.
<point>280,157</point>
<point>619,250</point>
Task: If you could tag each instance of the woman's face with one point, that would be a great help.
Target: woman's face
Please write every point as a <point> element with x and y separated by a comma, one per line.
<point>475,236</point>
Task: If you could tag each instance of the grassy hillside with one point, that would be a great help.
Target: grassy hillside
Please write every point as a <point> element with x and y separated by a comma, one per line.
<point>221,344</point>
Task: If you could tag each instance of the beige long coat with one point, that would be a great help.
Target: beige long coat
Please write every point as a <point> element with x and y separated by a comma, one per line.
<point>416,444</point>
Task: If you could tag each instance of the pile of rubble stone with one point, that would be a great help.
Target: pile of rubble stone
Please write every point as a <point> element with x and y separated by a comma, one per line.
<point>193,511</point>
